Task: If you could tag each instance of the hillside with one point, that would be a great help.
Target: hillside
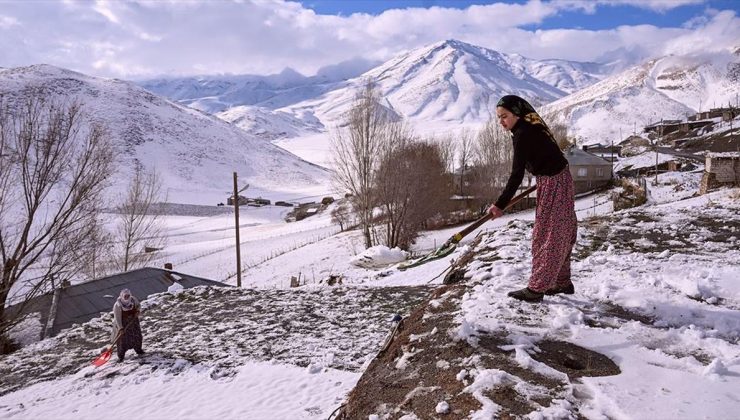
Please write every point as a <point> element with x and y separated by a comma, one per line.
<point>194,152</point>
<point>671,87</point>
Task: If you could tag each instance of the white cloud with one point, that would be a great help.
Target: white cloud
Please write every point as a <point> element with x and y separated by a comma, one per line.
<point>721,32</point>
<point>656,5</point>
<point>591,6</point>
<point>7,22</point>
<point>103,7</point>
<point>144,38</point>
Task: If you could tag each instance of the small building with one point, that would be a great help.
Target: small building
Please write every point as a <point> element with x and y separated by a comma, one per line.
<point>690,125</point>
<point>726,113</point>
<point>261,201</point>
<point>604,151</point>
<point>720,169</point>
<point>79,303</point>
<point>663,127</point>
<point>589,171</point>
<point>243,201</point>
<point>729,114</point>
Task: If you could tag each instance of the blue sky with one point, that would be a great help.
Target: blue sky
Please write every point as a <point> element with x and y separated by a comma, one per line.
<point>144,38</point>
<point>606,16</point>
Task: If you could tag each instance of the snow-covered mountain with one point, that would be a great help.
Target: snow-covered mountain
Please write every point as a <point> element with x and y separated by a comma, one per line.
<point>671,87</point>
<point>449,82</point>
<point>452,81</point>
<point>215,94</point>
<point>194,152</point>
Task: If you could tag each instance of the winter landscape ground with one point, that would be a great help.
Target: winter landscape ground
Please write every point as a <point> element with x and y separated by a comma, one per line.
<point>652,331</point>
<point>656,293</point>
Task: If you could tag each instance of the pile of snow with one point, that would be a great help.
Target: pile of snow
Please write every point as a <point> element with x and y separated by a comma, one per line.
<point>379,256</point>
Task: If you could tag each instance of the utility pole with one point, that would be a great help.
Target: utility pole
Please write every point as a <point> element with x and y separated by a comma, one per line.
<point>238,242</point>
<point>611,152</point>
<point>660,138</point>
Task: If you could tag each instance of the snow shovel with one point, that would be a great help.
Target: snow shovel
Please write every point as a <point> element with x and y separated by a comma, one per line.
<point>106,354</point>
<point>450,245</point>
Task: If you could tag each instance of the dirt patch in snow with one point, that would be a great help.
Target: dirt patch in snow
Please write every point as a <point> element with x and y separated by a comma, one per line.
<point>425,365</point>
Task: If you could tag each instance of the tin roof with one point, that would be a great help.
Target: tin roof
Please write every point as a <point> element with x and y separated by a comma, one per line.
<point>82,302</point>
<point>578,157</point>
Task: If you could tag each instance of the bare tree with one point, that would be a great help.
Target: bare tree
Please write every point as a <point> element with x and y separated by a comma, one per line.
<point>139,226</point>
<point>466,152</point>
<point>356,151</point>
<point>412,185</point>
<point>493,160</point>
<point>341,215</point>
<point>560,132</point>
<point>447,150</point>
<point>54,171</point>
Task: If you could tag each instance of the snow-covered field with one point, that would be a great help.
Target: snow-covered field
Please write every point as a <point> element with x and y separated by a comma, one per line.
<point>270,353</point>
<point>673,268</point>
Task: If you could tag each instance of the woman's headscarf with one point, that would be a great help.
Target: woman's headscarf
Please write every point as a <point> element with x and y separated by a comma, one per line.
<point>126,300</point>
<point>522,109</point>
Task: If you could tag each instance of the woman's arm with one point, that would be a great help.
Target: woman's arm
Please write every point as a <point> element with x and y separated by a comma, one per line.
<point>117,315</point>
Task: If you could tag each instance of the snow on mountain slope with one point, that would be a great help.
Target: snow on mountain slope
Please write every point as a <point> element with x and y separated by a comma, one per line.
<point>454,82</point>
<point>195,153</point>
<point>215,94</point>
<point>568,76</point>
<point>270,125</point>
<point>671,87</point>
<point>442,83</point>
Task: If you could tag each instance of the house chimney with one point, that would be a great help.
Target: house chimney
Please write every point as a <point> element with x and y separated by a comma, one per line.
<point>168,266</point>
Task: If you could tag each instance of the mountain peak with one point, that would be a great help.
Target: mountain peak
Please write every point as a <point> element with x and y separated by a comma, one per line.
<point>46,70</point>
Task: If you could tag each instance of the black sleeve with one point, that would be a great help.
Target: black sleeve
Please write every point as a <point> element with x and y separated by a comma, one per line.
<point>517,174</point>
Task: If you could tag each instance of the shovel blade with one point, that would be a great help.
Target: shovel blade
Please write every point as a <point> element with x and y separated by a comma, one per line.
<point>104,357</point>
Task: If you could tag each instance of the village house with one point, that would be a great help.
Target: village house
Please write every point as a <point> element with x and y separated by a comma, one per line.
<point>604,151</point>
<point>663,127</point>
<point>720,169</point>
<point>726,114</point>
<point>690,125</point>
<point>589,171</point>
<point>242,200</point>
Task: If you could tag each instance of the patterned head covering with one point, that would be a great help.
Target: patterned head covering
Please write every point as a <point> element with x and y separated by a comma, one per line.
<point>522,109</point>
<point>127,301</point>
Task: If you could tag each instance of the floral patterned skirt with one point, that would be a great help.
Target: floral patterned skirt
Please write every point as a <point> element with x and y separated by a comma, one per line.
<point>554,232</point>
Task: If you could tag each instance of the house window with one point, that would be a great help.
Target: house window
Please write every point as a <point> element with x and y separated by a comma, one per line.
<point>600,171</point>
<point>582,171</point>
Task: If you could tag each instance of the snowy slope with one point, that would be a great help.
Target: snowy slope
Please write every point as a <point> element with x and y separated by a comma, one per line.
<point>671,87</point>
<point>271,125</point>
<point>195,153</point>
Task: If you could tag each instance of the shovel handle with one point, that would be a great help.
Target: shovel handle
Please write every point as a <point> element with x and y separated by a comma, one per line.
<point>456,238</point>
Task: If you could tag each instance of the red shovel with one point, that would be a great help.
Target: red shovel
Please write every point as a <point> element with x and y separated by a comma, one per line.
<point>106,354</point>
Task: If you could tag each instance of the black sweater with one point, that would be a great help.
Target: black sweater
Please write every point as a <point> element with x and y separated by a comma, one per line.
<point>535,151</point>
